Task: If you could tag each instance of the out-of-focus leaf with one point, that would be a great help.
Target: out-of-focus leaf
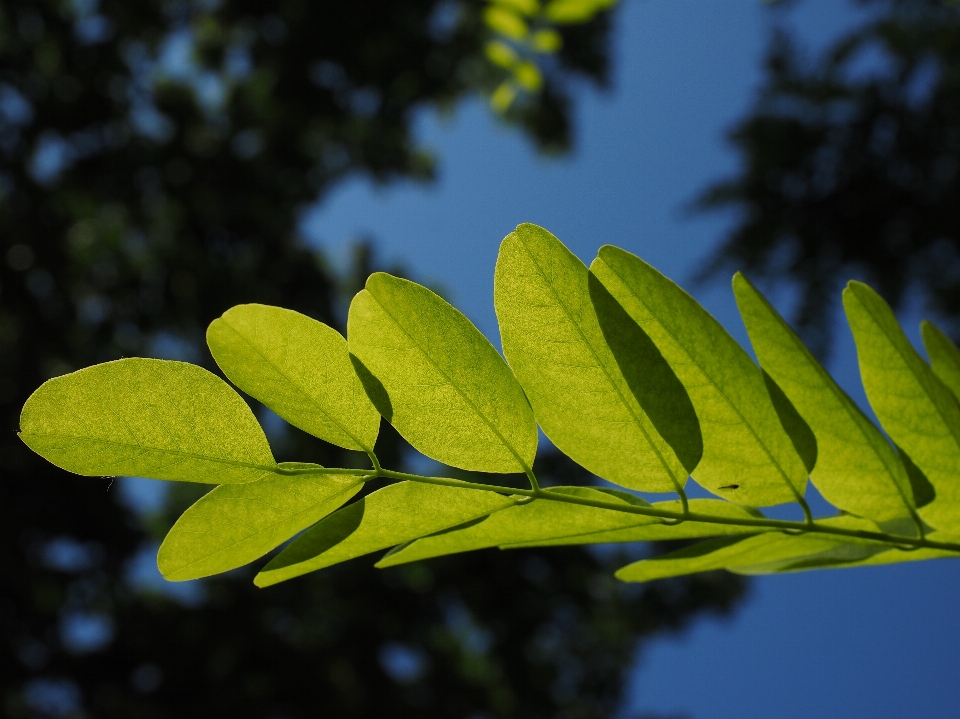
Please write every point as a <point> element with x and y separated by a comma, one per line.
<point>539,519</point>
<point>747,456</point>
<point>147,418</point>
<point>393,515</point>
<point>499,53</point>
<point>522,7</point>
<point>914,407</point>
<point>448,391</point>
<point>506,22</point>
<point>503,96</point>
<point>299,368</point>
<point>238,523</point>
<point>574,11</point>
<point>548,41</point>
<point>528,76</point>
<point>600,389</point>
<point>856,470</point>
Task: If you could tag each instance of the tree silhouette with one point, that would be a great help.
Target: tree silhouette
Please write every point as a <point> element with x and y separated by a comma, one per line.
<point>155,156</point>
<point>850,160</point>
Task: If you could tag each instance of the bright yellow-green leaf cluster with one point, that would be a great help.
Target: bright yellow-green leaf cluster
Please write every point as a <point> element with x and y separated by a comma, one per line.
<point>625,373</point>
<point>524,33</point>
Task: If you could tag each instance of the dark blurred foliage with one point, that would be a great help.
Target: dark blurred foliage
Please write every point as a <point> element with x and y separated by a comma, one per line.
<point>851,162</point>
<point>155,156</point>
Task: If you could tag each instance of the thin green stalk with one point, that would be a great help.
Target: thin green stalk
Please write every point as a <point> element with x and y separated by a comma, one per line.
<point>534,484</point>
<point>808,525</point>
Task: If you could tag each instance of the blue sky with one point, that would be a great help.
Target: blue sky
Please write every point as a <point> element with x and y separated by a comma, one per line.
<point>878,642</point>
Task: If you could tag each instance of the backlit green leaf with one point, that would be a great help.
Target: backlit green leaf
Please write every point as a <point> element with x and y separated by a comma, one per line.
<point>299,368</point>
<point>647,532</point>
<point>897,556</point>
<point>944,356</point>
<point>393,515</point>
<point>238,523</point>
<point>856,470</point>
<point>747,456</point>
<point>757,554</point>
<point>574,11</point>
<point>914,407</point>
<point>442,384</point>
<point>539,519</point>
<point>600,389</point>
<point>147,418</point>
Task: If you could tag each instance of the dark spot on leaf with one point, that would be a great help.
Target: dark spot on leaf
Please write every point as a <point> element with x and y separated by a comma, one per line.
<point>731,486</point>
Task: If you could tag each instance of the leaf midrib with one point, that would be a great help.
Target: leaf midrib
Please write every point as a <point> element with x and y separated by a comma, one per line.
<point>164,450</point>
<point>678,482</point>
<point>450,382</point>
<point>299,388</point>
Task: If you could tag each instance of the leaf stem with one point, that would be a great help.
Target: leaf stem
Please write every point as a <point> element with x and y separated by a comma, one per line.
<point>809,524</point>
<point>534,484</point>
<point>681,492</point>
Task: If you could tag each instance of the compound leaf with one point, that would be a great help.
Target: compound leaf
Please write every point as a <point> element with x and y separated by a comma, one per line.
<point>857,470</point>
<point>914,407</point>
<point>393,515</point>
<point>238,523</point>
<point>147,418</point>
<point>299,368</point>
<point>538,519</point>
<point>747,456</point>
<point>447,390</point>
<point>624,416</point>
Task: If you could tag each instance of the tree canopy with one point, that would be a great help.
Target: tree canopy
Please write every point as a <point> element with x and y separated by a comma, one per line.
<point>155,156</point>
<point>849,161</point>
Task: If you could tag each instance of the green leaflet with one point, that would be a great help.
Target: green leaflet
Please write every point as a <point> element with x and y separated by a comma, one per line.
<point>299,368</point>
<point>438,380</point>
<point>600,389</point>
<point>856,555</point>
<point>539,519</point>
<point>393,515</point>
<point>844,556</point>
<point>896,556</point>
<point>856,469</point>
<point>747,456</point>
<point>914,407</point>
<point>944,356</point>
<point>757,554</point>
<point>646,532</point>
<point>147,418</point>
<point>238,523</point>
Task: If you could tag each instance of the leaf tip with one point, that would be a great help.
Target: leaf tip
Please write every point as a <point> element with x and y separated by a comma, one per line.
<point>264,580</point>
<point>740,282</point>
